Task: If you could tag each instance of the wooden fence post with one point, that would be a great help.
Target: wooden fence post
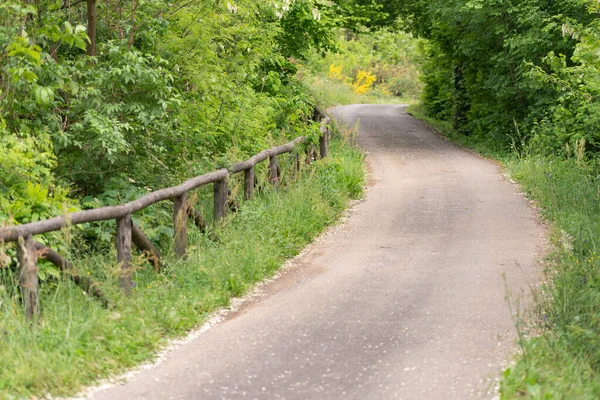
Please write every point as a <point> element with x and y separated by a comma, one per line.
<point>28,275</point>
<point>273,171</point>
<point>324,142</point>
<point>220,199</point>
<point>296,166</point>
<point>180,210</point>
<point>248,183</point>
<point>124,227</point>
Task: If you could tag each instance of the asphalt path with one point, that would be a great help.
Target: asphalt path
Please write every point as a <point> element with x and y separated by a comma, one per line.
<point>406,300</point>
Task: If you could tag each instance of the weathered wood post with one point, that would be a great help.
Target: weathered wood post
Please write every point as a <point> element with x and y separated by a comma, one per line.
<point>180,221</point>
<point>145,245</point>
<point>124,227</point>
<point>248,183</point>
<point>28,275</point>
<point>296,166</point>
<point>273,171</point>
<point>324,142</point>
<point>220,200</point>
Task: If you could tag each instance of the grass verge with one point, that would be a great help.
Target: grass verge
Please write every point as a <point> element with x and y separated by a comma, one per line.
<point>77,342</point>
<point>560,359</point>
<point>332,92</point>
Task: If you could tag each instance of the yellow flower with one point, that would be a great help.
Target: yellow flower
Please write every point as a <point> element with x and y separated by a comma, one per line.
<point>336,72</point>
<point>363,82</point>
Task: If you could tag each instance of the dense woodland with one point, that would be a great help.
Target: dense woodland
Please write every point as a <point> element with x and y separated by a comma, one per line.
<point>522,73</point>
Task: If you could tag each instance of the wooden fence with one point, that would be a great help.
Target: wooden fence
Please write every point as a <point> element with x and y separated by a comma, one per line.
<point>128,233</point>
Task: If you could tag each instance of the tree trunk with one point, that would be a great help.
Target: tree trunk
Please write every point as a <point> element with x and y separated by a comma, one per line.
<point>132,28</point>
<point>461,101</point>
<point>91,28</point>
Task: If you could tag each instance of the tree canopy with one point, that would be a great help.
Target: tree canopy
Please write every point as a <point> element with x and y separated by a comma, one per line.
<point>522,72</point>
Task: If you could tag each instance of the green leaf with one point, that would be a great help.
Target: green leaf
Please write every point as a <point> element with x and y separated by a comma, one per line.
<point>53,271</point>
<point>44,95</point>
<point>68,27</point>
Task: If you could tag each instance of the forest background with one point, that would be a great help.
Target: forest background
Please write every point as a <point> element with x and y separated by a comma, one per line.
<point>147,93</point>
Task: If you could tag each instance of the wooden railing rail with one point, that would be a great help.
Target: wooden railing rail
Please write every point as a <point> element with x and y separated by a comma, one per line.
<point>128,233</point>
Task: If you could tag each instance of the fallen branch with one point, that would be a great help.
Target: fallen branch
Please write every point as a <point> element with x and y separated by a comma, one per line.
<point>87,284</point>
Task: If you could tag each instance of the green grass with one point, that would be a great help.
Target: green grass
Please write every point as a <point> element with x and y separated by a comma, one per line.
<point>332,92</point>
<point>560,358</point>
<point>564,361</point>
<point>77,342</point>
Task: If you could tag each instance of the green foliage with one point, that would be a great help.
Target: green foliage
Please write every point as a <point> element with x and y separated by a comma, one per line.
<point>438,89</point>
<point>305,27</point>
<point>574,115</point>
<point>514,70</point>
<point>27,193</point>
<point>173,90</point>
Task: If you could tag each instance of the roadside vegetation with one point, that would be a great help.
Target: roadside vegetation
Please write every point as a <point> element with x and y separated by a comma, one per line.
<point>376,67</point>
<point>77,341</point>
<point>519,82</point>
<point>558,358</point>
<point>102,102</point>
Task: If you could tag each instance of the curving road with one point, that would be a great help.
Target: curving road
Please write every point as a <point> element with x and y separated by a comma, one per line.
<point>405,301</point>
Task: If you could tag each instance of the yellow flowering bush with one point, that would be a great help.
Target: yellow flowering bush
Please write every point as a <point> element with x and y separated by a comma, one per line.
<point>336,72</point>
<point>363,82</point>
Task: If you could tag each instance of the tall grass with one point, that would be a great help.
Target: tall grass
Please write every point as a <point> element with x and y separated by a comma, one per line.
<point>76,341</point>
<point>564,360</point>
<point>560,358</point>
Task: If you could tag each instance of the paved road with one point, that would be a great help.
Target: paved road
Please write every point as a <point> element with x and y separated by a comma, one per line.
<point>406,301</point>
